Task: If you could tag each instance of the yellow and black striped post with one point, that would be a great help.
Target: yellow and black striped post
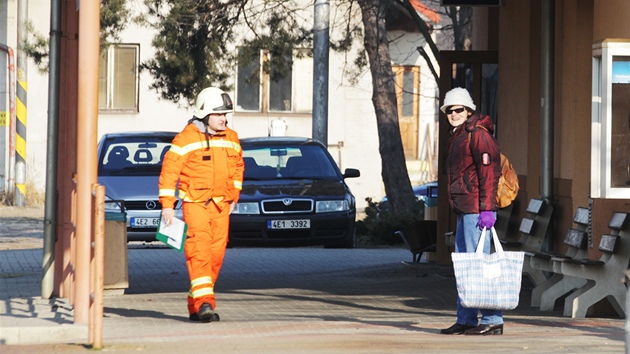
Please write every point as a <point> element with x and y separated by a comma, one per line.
<point>20,140</point>
<point>19,199</point>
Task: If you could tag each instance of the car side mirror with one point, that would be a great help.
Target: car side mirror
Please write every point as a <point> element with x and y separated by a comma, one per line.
<point>351,173</point>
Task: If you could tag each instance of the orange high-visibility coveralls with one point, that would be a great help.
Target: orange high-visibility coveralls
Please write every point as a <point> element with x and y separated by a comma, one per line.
<point>210,176</point>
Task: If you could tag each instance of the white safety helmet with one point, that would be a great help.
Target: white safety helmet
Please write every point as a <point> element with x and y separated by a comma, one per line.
<point>212,100</point>
<point>457,96</point>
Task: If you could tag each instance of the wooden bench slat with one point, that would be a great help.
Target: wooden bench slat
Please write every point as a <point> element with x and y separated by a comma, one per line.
<point>618,221</point>
<point>582,216</point>
<point>527,226</point>
<point>535,206</point>
<point>576,238</point>
<point>609,243</point>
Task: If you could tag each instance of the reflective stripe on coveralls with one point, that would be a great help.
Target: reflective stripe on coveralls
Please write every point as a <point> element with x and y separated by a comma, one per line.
<point>208,227</point>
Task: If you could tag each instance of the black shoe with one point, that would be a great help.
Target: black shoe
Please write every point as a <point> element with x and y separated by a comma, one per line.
<point>485,330</point>
<point>205,313</point>
<point>195,318</point>
<point>457,328</point>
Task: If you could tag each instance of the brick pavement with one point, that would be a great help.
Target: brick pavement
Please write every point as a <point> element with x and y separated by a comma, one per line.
<point>302,300</point>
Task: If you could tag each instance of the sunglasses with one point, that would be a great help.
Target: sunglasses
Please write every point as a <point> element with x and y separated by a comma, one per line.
<point>456,110</point>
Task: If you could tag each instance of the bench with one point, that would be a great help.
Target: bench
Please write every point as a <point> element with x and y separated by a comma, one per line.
<point>603,277</point>
<point>532,231</point>
<point>545,294</point>
<point>420,236</point>
<point>501,226</point>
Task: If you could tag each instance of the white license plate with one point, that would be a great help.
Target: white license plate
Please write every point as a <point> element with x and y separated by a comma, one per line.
<point>289,224</point>
<point>144,222</point>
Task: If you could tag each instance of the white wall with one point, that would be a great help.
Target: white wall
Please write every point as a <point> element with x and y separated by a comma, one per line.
<point>351,118</point>
<point>37,95</point>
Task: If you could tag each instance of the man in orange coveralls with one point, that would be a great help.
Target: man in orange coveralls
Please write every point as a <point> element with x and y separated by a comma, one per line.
<point>207,161</point>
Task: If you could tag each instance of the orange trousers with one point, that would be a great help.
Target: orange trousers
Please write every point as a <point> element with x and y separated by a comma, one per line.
<point>206,240</point>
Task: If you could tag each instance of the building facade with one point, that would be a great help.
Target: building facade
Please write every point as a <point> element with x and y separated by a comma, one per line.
<point>590,105</point>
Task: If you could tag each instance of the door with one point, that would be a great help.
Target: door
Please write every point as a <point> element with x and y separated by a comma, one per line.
<point>477,72</point>
<point>407,90</point>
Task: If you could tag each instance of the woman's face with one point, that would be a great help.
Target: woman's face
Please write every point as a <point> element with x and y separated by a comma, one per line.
<point>457,115</point>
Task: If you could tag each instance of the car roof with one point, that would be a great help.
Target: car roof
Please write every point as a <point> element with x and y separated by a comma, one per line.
<point>278,140</point>
<point>144,133</point>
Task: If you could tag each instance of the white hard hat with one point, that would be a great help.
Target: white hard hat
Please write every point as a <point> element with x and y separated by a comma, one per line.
<point>457,96</point>
<point>212,100</point>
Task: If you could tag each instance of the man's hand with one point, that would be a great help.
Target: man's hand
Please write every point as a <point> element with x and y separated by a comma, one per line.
<point>232,206</point>
<point>168,214</point>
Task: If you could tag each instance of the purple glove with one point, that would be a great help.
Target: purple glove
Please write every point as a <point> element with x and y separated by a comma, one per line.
<point>486,219</point>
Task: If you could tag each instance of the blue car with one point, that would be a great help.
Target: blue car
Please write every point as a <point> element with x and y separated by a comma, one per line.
<point>422,192</point>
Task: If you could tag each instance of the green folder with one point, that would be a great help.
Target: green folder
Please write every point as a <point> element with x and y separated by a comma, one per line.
<point>173,235</point>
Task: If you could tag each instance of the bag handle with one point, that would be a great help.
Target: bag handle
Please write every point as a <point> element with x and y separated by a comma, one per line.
<point>482,241</point>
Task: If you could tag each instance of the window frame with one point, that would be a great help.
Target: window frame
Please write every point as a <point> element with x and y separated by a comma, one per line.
<point>602,120</point>
<point>109,56</point>
<point>297,96</point>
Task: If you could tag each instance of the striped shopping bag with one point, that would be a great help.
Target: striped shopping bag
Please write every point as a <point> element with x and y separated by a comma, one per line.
<point>488,281</point>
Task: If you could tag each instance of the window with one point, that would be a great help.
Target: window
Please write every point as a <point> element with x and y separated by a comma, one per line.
<point>610,147</point>
<point>407,92</point>
<point>257,91</point>
<point>118,78</point>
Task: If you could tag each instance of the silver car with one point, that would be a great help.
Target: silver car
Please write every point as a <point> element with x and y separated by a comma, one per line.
<point>129,166</point>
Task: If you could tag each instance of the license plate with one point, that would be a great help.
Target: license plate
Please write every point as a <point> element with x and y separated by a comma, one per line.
<point>144,222</point>
<point>289,224</point>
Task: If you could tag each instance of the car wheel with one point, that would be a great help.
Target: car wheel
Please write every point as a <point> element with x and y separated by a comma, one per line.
<point>348,242</point>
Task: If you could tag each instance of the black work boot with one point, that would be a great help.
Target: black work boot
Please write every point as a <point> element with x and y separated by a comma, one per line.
<point>205,313</point>
<point>195,318</point>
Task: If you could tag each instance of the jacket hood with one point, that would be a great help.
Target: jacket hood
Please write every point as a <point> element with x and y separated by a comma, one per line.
<point>478,119</point>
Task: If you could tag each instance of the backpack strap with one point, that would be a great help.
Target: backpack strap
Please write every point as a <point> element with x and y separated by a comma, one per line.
<point>470,135</point>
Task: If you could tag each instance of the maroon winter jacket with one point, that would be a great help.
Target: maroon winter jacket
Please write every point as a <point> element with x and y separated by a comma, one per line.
<point>473,166</point>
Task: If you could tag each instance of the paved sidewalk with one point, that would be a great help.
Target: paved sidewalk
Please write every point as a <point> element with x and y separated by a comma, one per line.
<point>293,300</point>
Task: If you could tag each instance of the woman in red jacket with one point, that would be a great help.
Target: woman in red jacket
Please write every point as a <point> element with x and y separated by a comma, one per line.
<point>473,168</point>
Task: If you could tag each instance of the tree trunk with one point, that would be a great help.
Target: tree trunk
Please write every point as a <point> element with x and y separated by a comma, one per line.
<point>394,169</point>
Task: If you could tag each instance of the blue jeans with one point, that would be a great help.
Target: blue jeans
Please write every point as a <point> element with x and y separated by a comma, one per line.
<point>467,237</point>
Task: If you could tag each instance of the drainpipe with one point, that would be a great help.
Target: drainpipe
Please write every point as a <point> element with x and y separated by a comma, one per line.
<point>50,208</point>
<point>547,107</point>
<point>11,178</point>
<point>321,44</point>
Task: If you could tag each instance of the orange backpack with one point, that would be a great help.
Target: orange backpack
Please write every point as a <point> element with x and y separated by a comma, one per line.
<point>508,182</point>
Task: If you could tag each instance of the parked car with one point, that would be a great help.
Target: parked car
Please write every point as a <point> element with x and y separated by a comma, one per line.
<point>422,192</point>
<point>293,195</point>
<point>129,166</point>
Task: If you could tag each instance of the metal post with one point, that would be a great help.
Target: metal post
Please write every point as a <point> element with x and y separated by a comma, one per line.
<point>50,210</point>
<point>11,121</point>
<point>19,198</point>
<point>547,107</point>
<point>321,44</point>
<point>4,116</point>
<point>98,269</point>
<point>89,27</point>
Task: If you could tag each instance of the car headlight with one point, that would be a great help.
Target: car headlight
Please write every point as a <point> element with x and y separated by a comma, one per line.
<point>327,206</point>
<point>246,208</point>
<point>112,205</point>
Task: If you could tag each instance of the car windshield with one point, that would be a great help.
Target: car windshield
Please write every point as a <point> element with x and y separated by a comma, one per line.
<point>133,156</point>
<point>287,162</point>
